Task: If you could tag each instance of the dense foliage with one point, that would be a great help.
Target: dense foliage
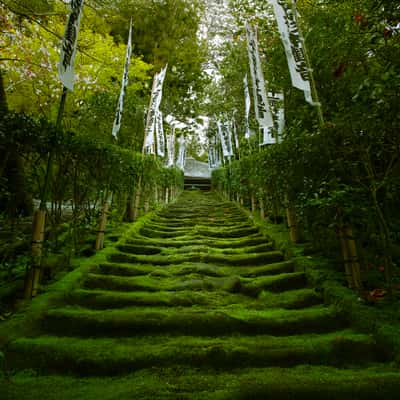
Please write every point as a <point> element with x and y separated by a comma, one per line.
<point>346,170</point>
<point>80,161</point>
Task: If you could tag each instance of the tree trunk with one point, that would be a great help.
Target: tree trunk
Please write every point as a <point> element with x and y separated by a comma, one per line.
<point>130,208</point>
<point>294,229</point>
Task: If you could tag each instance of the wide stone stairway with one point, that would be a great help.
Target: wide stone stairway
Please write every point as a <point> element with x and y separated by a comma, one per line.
<point>197,304</point>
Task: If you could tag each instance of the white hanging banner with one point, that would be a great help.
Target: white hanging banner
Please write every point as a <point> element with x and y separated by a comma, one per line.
<point>124,84</point>
<point>225,136</point>
<point>235,134</point>
<point>160,134</point>
<point>251,49</point>
<point>247,105</point>
<point>293,44</point>
<point>68,47</point>
<point>171,148</point>
<point>211,159</point>
<point>263,113</point>
<point>155,101</point>
<point>214,160</point>
<point>217,150</point>
<point>281,123</point>
<point>180,163</point>
<point>278,113</point>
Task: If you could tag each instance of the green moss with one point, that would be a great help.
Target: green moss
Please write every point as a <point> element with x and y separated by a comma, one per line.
<point>291,299</point>
<point>113,357</point>
<point>99,299</point>
<point>185,383</point>
<point>191,313</point>
<point>281,282</point>
<point>200,321</point>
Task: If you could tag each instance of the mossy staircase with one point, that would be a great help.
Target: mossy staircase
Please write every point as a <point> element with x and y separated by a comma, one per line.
<point>199,305</point>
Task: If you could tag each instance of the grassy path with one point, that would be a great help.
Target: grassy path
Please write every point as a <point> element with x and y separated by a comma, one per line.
<point>196,305</point>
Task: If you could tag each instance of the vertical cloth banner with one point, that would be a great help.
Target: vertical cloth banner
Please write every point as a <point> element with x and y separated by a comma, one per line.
<point>160,134</point>
<point>293,44</point>
<point>68,47</point>
<point>235,134</point>
<point>247,105</point>
<point>278,112</point>
<point>124,84</point>
<point>225,136</point>
<point>214,160</point>
<point>180,162</point>
<point>155,101</point>
<point>263,113</point>
<point>171,148</point>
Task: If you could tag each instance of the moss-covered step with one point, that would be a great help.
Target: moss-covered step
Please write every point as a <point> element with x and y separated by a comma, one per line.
<point>210,269</point>
<point>160,280</point>
<point>214,243</point>
<point>204,248</point>
<point>291,299</point>
<point>108,356</point>
<point>303,382</point>
<point>106,299</point>
<point>199,321</point>
<point>205,269</point>
<point>224,233</point>
<point>139,249</point>
<point>276,283</point>
<point>183,223</point>
<point>154,233</point>
<point>227,259</point>
<point>151,224</point>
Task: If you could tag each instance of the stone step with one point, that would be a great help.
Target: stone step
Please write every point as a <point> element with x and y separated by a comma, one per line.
<point>107,299</point>
<point>157,281</point>
<point>108,356</point>
<point>223,259</point>
<point>197,248</point>
<point>128,322</point>
<point>205,269</point>
<point>214,243</point>
<point>172,382</point>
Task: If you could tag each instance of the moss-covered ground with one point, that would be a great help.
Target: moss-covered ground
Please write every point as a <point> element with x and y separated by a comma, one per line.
<point>196,301</point>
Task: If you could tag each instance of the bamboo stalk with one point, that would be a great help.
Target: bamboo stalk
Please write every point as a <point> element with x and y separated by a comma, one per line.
<point>102,225</point>
<point>138,196</point>
<point>346,258</point>
<point>262,209</point>
<point>253,202</point>
<point>166,195</point>
<point>146,200</point>
<point>353,257</point>
<point>156,194</point>
<point>33,275</point>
